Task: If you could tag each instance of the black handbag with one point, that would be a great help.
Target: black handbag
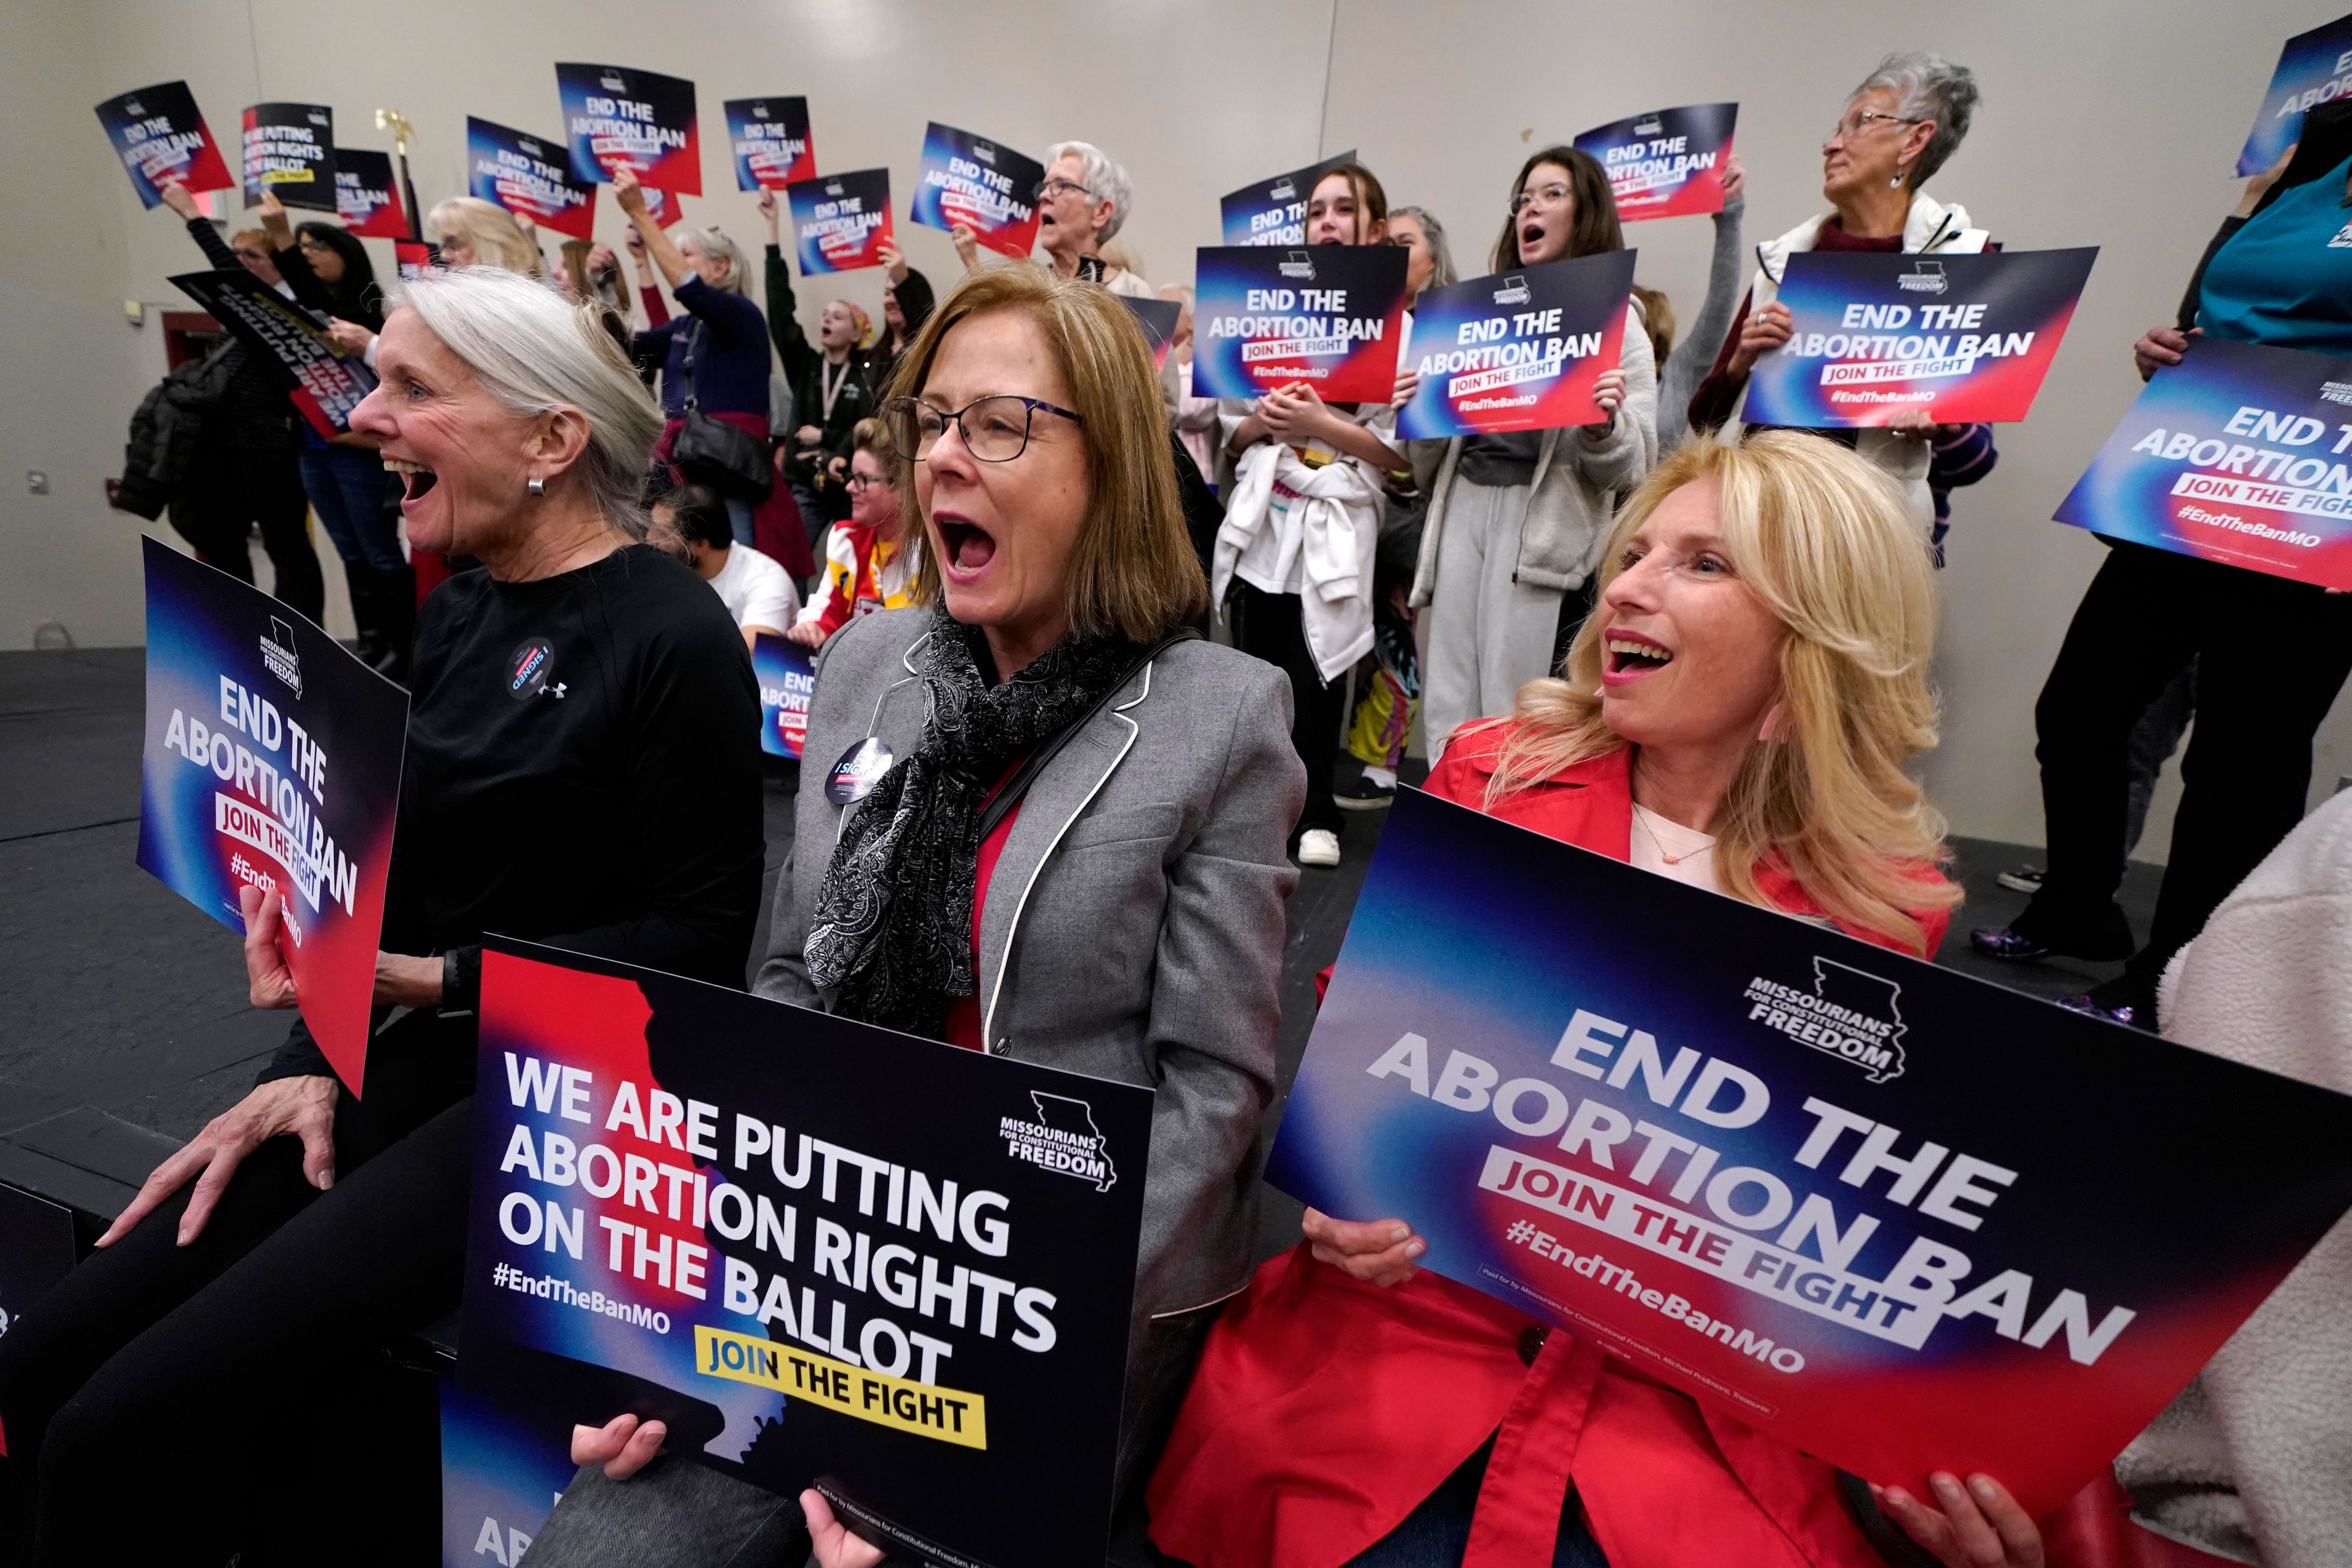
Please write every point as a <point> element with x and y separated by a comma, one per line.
<point>707,451</point>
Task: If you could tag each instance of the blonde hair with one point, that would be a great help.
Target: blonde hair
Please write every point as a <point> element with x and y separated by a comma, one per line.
<point>1134,573</point>
<point>1822,537</point>
<point>497,240</point>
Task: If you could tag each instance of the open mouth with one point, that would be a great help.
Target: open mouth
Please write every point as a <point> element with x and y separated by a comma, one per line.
<point>1530,236</point>
<point>416,479</point>
<point>967,546</point>
<point>1636,654</point>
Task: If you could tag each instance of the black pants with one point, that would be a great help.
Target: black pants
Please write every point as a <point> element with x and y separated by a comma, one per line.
<point>2270,656</point>
<point>231,488</point>
<point>1270,626</point>
<point>168,1404</point>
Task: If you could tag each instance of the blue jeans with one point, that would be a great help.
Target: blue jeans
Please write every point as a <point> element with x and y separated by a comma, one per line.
<point>1437,1533</point>
<point>739,520</point>
<point>346,486</point>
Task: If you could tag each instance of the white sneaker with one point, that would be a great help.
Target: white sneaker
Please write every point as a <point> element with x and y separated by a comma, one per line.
<point>1318,847</point>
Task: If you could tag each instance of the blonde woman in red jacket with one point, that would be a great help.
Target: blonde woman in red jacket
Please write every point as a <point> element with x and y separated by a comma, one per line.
<point>1736,714</point>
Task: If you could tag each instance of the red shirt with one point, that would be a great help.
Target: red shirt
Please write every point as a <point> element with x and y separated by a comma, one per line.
<point>1326,1409</point>
<point>965,1014</point>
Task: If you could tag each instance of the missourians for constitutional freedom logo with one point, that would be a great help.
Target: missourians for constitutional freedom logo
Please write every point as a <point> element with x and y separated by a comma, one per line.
<point>1849,1013</point>
<point>1063,1139</point>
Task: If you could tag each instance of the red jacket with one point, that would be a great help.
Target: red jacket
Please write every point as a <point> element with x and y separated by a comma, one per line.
<point>1326,1409</point>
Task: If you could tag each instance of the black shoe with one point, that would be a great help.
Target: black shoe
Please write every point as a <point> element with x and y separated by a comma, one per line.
<point>1364,795</point>
<point>2024,879</point>
<point>2004,943</point>
<point>2128,1014</point>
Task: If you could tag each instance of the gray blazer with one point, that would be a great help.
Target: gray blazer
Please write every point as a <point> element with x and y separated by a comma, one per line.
<point>1133,927</point>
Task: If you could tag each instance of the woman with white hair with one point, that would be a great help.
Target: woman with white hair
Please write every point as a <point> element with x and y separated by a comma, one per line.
<point>714,359</point>
<point>1082,202</point>
<point>476,233</point>
<point>567,696</point>
<point>1898,128</point>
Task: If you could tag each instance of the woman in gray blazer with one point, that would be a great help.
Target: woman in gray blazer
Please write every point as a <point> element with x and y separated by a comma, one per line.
<point>1123,919</point>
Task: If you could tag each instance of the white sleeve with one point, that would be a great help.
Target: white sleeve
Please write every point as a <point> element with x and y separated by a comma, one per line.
<point>772,602</point>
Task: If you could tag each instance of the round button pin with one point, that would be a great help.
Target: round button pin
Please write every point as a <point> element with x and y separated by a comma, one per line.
<point>860,769</point>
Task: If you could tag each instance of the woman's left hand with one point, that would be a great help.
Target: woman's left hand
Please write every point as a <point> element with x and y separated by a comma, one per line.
<point>1735,179</point>
<point>1975,1526</point>
<point>401,981</point>
<point>1408,383</point>
<point>273,221</point>
<point>836,1546</point>
<point>268,978</point>
<point>622,1446</point>
<point>1608,394</point>
<point>350,337</point>
<point>1915,422</point>
<point>627,195</point>
<point>893,264</point>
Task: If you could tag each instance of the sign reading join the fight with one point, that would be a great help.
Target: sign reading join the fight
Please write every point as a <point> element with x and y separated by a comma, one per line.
<point>2240,454</point>
<point>840,222</point>
<point>787,679</point>
<point>531,176</point>
<point>161,141</point>
<point>824,1253</point>
<point>1902,1218</point>
<point>1666,164</point>
<point>2313,68</point>
<point>290,153</point>
<point>1966,338</point>
<point>983,185</point>
<point>617,119</point>
<point>1274,212</point>
<point>770,138</point>
<point>272,761</point>
<point>325,383</point>
<point>1328,315</point>
<point>365,197</point>
<point>1518,351</point>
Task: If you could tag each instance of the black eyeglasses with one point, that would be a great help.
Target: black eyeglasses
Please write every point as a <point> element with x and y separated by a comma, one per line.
<point>864,481</point>
<point>1048,189</point>
<point>992,429</point>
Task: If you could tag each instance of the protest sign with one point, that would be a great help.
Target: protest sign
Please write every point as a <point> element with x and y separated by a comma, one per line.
<point>530,177</point>
<point>1158,318</point>
<point>787,680</point>
<point>770,138</point>
<point>413,258</point>
<point>1965,338</point>
<point>2313,68</point>
<point>1329,315</point>
<point>1518,351</point>
<point>290,153</point>
<point>988,187</point>
<point>840,222</point>
<point>324,384</point>
<point>504,1466</point>
<point>825,1254</point>
<point>1274,212</point>
<point>617,119</point>
<point>365,196</point>
<point>2238,454</point>
<point>161,141</point>
<point>272,760</point>
<point>36,1250</point>
<point>1668,164</point>
<point>1900,1218</point>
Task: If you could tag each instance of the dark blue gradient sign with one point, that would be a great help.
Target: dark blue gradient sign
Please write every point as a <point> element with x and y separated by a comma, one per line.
<point>272,761</point>
<point>1964,338</point>
<point>2313,68</point>
<point>770,140</point>
<point>841,222</point>
<point>1668,164</point>
<point>1330,316</point>
<point>1901,1218</point>
<point>615,118</point>
<point>983,185</point>
<point>1274,212</point>
<point>2239,454</point>
<point>531,176</point>
<point>163,140</point>
<point>1518,351</point>
<point>787,681</point>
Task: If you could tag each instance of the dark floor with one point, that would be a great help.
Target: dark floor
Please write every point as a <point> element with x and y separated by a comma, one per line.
<point>126,1024</point>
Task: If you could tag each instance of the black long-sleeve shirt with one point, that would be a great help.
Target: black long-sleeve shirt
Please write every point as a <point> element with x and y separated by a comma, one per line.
<point>254,415</point>
<point>805,368</point>
<point>582,770</point>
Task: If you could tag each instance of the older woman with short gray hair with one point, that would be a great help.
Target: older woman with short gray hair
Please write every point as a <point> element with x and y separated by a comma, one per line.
<point>1082,203</point>
<point>1895,132</point>
<point>567,695</point>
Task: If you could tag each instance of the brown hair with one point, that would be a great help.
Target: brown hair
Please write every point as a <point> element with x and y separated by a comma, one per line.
<point>1658,320</point>
<point>259,241</point>
<point>1134,573</point>
<point>873,435</point>
<point>1371,201</point>
<point>1595,228</point>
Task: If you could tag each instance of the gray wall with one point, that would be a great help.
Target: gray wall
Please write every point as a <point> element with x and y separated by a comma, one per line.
<point>2103,123</point>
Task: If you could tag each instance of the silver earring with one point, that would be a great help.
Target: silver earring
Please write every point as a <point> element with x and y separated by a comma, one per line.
<point>1896,184</point>
<point>537,487</point>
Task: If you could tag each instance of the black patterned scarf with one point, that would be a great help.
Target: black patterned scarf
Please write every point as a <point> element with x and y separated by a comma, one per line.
<point>890,937</point>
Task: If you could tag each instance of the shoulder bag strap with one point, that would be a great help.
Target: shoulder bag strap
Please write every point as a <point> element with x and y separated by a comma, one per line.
<point>1001,804</point>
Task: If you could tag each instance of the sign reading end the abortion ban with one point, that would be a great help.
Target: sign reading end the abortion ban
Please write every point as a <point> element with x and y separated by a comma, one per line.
<point>1328,315</point>
<point>1904,1219</point>
<point>1518,350</point>
<point>2240,454</point>
<point>1965,339</point>
<point>825,1254</point>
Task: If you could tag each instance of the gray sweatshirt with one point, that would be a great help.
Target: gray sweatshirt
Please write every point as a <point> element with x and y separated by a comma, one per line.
<point>1693,357</point>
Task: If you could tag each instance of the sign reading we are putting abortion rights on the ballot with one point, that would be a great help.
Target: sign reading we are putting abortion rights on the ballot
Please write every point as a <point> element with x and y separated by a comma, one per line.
<point>1902,1218</point>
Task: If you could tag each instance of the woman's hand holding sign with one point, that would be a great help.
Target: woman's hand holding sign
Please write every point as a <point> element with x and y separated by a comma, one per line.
<point>1608,392</point>
<point>1766,330</point>
<point>1975,1526</point>
<point>401,979</point>
<point>623,1446</point>
<point>1380,1253</point>
<point>2161,346</point>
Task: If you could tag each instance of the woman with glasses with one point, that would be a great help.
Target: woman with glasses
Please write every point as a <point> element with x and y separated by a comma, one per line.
<point>1904,121</point>
<point>1516,520</point>
<point>1082,202</point>
<point>869,564</point>
<point>248,470</point>
<point>1119,909</point>
<point>356,500</point>
<point>1303,482</point>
